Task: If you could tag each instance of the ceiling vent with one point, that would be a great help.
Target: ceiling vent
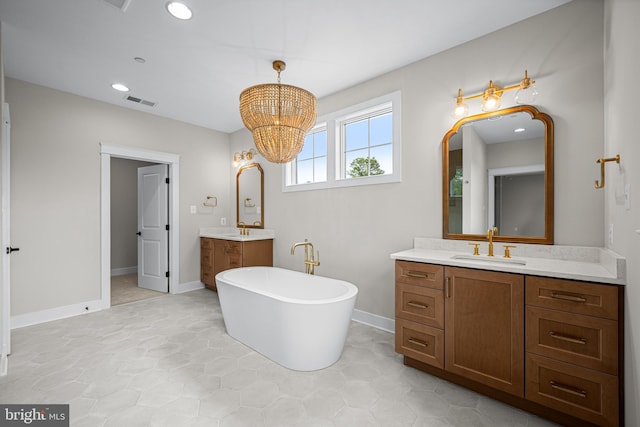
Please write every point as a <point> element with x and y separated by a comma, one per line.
<point>120,4</point>
<point>140,101</point>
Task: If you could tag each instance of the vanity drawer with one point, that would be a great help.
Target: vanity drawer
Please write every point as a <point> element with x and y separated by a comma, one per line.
<point>572,296</point>
<point>419,274</point>
<point>587,341</point>
<point>420,342</point>
<point>420,304</point>
<point>577,391</point>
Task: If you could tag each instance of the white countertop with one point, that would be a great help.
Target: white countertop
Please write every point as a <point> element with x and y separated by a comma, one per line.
<point>232,233</point>
<point>566,262</point>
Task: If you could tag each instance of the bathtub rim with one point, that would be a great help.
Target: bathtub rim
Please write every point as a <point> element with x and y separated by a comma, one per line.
<point>352,290</point>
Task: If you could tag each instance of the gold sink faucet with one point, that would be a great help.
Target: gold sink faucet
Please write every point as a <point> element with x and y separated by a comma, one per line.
<point>243,228</point>
<point>309,262</point>
<point>490,234</point>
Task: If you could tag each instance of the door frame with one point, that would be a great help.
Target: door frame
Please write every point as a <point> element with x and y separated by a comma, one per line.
<point>173,160</point>
<point>5,266</point>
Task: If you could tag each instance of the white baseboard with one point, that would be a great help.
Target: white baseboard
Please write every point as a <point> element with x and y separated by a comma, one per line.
<point>56,313</point>
<point>379,322</point>
<point>188,286</point>
<point>124,270</point>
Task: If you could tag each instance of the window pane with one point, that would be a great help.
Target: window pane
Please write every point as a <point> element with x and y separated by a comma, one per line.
<point>320,144</point>
<point>305,172</point>
<point>356,135</point>
<point>382,129</point>
<point>384,155</point>
<point>307,149</point>
<point>320,169</point>
<point>357,163</point>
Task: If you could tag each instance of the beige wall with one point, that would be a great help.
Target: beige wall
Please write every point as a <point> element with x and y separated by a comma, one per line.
<point>124,212</point>
<point>55,189</point>
<point>357,228</point>
<point>622,60</point>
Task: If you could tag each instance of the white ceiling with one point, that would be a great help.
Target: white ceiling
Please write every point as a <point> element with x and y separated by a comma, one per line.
<point>196,69</point>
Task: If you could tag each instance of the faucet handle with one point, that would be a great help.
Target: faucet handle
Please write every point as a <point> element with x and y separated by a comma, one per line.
<point>507,253</point>
<point>476,251</point>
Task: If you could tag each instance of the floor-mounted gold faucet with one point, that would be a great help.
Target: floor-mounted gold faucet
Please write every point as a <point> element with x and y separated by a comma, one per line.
<point>309,262</point>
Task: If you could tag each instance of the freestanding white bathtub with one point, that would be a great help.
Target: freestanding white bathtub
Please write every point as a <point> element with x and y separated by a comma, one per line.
<point>299,321</point>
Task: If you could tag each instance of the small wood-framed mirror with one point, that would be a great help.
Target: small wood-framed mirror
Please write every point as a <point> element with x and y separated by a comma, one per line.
<point>497,171</point>
<point>250,196</point>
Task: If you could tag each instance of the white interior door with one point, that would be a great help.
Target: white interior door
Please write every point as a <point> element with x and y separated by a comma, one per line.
<point>5,306</point>
<point>153,224</point>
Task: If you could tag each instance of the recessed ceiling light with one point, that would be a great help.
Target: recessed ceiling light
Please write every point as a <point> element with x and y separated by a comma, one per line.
<point>120,87</point>
<point>518,130</point>
<point>140,59</point>
<point>179,10</point>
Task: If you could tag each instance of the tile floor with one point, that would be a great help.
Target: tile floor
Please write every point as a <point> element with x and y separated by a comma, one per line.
<point>168,362</point>
<point>124,289</point>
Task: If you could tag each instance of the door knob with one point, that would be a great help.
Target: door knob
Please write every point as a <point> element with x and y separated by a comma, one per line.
<point>10,249</point>
<point>139,233</point>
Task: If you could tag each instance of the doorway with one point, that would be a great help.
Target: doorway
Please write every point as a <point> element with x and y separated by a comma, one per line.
<point>126,232</point>
<point>109,152</point>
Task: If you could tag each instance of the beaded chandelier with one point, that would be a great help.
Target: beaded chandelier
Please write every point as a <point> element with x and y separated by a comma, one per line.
<point>279,117</point>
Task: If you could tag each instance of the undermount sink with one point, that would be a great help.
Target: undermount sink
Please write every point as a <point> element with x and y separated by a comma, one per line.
<point>482,258</point>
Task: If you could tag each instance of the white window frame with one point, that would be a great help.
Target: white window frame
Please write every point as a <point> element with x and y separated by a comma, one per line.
<point>335,169</point>
<point>292,172</point>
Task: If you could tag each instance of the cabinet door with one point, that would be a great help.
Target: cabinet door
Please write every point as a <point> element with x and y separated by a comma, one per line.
<point>257,253</point>
<point>484,327</point>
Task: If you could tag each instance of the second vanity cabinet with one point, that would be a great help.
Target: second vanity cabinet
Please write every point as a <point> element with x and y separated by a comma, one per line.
<point>550,346</point>
<point>218,255</point>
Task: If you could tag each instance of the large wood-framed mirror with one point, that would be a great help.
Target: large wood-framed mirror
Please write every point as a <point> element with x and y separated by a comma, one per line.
<point>250,196</point>
<point>497,171</point>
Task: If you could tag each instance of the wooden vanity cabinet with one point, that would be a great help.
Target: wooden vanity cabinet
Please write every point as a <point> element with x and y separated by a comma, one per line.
<point>218,255</point>
<point>553,347</point>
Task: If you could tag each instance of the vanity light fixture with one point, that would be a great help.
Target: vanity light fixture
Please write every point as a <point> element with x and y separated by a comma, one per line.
<point>179,10</point>
<point>243,157</point>
<point>492,96</point>
<point>279,117</point>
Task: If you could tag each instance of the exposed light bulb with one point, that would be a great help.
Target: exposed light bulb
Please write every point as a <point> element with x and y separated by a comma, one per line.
<point>491,98</point>
<point>461,109</point>
<point>492,103</point>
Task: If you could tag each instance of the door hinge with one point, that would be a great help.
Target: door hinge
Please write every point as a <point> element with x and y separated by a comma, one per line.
<point>166,180</point>
<point>167,227</point>
<point>166,274</point>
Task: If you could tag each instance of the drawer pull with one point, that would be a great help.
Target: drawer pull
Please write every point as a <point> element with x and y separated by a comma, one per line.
<point>417,305</point>
<point>566,338</point>
<point>568,297</point>
<point>568,389</point>
<point>417,274</point>
<point>418,342</point>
